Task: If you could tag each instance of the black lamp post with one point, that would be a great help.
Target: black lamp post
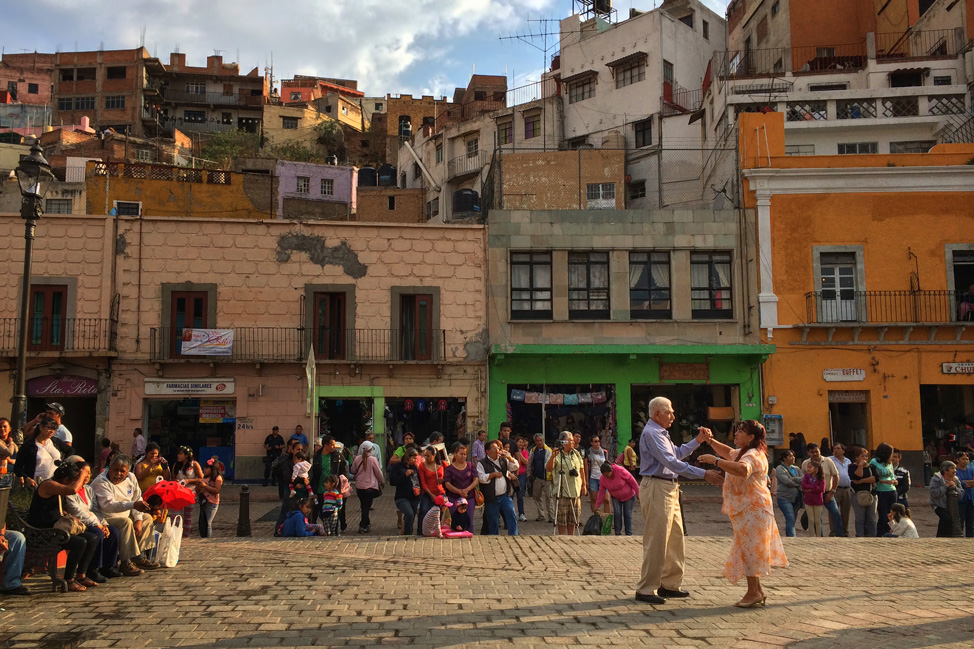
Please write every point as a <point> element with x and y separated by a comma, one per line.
<point>35,178</point>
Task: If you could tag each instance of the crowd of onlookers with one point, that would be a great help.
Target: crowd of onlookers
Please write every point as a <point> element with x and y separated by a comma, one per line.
<point>111,526</point>
<point>437,490</point>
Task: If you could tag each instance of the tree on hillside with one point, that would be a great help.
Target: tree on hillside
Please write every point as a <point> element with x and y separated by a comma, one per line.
<point>222,148</point>
<point>332,138</point>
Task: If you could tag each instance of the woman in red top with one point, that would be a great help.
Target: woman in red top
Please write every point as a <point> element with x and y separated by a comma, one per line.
<point>431,480</point>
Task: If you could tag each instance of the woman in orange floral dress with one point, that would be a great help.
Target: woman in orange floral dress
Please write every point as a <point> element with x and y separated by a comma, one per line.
<point>747,501</point>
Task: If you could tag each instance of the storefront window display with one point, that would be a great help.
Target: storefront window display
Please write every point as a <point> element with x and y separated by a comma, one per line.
<point>549,409</point>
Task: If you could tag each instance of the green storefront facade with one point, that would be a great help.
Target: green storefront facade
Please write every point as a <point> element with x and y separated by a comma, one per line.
<point>704,381</point>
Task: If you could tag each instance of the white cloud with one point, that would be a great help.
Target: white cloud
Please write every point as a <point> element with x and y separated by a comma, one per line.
<point>387,45</point>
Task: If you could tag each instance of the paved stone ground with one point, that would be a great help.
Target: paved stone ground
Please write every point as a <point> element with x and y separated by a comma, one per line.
<point>528,591</point>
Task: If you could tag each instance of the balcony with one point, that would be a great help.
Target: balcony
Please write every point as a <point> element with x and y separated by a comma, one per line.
<point>917,45</point>
<point>283,345</point>
<point>883,310</point>
<point>466,165</point>
<point>61,336</point>
<point>162,172</point>
<point>677,100</point>
<point>241,100</point>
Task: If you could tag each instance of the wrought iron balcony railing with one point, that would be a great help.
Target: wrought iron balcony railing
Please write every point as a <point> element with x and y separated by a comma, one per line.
<point>87,336</point>
<point>848,307</point>
<point>279,344</point>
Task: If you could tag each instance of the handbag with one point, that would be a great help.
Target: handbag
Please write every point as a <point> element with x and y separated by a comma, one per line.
<point>479,497</point>
<point>170,541</point>
<point>68,523</point>
<point>864,498</point>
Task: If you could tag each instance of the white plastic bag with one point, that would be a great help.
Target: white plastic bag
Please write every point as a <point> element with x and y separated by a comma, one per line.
<point>167,552</point>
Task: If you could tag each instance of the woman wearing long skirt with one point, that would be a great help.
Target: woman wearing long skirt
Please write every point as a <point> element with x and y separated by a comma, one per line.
<point>747,501</point>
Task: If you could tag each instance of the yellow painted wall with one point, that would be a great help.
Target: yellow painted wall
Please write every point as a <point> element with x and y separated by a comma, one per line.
<point>247,196</point>
<point>888,226</point>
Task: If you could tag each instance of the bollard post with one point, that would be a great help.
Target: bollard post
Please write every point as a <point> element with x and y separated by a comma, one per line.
<point>243,516</point>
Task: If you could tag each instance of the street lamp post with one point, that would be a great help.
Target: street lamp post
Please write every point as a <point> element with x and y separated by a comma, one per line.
<point>34,176</point>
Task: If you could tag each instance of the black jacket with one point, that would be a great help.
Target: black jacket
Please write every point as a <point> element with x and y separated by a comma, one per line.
<point>401,481</point>
<point>26,463</point>
<point>339,466</point>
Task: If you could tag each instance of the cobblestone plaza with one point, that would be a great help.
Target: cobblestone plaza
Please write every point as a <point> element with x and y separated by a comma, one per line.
<point>533,590</point>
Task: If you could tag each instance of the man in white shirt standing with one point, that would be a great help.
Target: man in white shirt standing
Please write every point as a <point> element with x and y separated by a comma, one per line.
<point>56,410</point>
<point>498,475</point>
<point>831,483</point>
<point>138,444</point>
<point>843,492</point>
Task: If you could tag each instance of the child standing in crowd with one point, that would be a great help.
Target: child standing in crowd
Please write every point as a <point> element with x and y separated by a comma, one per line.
<point>299,475</point>
<point>296,523</point>
<point>437,519</point>
<point>331,504</point>
<point>900,524</point>
<point>902,476</point>
<point>813,488</point>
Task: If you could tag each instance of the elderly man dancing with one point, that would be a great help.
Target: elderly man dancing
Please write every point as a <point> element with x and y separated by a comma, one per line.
<point>659,496</point>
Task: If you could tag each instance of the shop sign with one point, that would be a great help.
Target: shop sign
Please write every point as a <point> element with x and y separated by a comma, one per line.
<point>62,386</point>
<point>214,411</point>
<point>207,342</point>
<point>958,368</point>
<point>188,386</point>
<point>844,374</point>
<point>848,396</point>
<point>684,372</point>
<point>245,423</point>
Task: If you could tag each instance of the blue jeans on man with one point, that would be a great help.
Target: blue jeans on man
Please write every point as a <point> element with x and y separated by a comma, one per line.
<point>622,513</point>
<point>788,509</point>
<point>13,561</point>
<point>502,506</point>
<point>835,517</point>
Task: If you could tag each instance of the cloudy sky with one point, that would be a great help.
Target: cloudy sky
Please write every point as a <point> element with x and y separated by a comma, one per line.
<point>395,46</point>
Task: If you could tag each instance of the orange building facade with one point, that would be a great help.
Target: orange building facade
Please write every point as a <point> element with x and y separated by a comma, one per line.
<point>866,266</point>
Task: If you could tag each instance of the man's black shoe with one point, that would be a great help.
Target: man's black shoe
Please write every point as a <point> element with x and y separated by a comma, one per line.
<point>666,592</point>
<point>19,590</point>
<point>649,599</point>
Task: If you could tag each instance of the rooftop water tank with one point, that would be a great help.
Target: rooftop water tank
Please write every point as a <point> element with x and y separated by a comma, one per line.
<point>367,177</point>
<point>387,176</point>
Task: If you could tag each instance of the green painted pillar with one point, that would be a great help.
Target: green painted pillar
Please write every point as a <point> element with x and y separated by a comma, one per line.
<point>496,399</point>
<point>623,414</point>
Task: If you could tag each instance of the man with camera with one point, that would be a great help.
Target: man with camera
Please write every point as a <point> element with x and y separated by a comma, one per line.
<point>659,496</point>
<point>566,466</point>
<point>498,475</point>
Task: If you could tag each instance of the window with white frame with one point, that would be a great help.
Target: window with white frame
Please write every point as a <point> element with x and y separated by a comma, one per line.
<point>799,149</point>
<point>600,196</point>
<point>473,147</point>
<point>917,146</point>
<point>856,148</point>
<point>195,87</point>
<point>302,184</point>
<point>327,187</point>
